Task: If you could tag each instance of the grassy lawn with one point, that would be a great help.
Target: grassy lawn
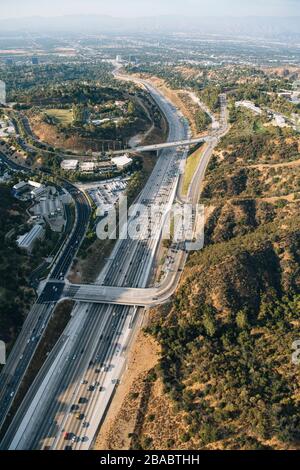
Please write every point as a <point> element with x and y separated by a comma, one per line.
<point>63,116</point>
<point>258,127</point>
<point>191,166</point>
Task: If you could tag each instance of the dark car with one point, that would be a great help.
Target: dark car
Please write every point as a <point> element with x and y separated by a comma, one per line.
<point>82,400</point>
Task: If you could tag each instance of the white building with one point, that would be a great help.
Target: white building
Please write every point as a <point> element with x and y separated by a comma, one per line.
<point>27,240</point>
<point>20,187</point>
<point>279,120</point>
<point>38,191</point>
<point>87,166</point>
<point>69,164</point>
<point>97,122</point>
<point>35,184</point>
<point>122,162</point>
<point>6,127</point>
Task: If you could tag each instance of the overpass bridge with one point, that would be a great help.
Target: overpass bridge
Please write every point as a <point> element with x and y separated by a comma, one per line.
<point>57,291</point>
<point>112,295</point>
<point>148,148</point>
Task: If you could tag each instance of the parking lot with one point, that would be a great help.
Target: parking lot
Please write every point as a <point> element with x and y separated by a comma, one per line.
<point>107,194</point>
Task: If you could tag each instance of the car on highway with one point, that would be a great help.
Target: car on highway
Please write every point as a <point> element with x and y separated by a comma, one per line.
<point>82,400</point>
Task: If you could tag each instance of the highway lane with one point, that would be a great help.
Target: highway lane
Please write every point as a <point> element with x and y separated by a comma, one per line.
<point>22,353</point>
<point>106,347</point>
<point>136,275</point>
<point>71,422</point>
<point>82,218</point>
<point>93,323</point>
<point>160,294</point>
<point>40,314</point>
<point>13,165</point>
<point>48,294</point>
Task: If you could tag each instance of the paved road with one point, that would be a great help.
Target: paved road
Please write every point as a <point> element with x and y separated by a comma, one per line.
<point>68,399</point>
<point>40,314</point>
<point>102,332</point>
<point>151,297</point>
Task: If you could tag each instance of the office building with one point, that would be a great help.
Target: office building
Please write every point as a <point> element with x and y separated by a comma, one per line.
<point>27,241</point>
<point>122,162</point>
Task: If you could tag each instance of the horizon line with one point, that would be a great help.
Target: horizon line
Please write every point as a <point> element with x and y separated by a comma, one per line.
<point>102,15</point>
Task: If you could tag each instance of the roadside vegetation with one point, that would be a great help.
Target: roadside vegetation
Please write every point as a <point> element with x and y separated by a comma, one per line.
<point>17,266</point>
<point>190,168</point>
<point>225,379</point>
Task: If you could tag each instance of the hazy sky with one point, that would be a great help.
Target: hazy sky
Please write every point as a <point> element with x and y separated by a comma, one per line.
<point>17,8</point>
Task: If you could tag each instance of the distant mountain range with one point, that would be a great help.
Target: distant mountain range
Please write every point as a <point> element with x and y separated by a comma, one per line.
<point>267,27</point>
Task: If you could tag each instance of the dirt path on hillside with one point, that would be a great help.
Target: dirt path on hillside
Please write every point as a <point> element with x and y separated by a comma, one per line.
<point>261,166</point>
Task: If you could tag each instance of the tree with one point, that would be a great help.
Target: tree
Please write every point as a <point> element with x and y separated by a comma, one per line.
<point>209,323</point>
<point>242,319</point>
<point>131,108</point>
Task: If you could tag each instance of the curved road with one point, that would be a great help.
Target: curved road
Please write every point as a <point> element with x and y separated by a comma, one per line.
<point>37,319</point>
<point>69,397</point>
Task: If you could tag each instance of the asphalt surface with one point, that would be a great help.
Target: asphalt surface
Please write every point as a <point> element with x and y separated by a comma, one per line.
<point>37,319</point>
<point>93,347</point>
<point>70,395</point>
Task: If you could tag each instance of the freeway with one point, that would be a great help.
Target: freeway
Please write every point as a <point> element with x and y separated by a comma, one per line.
<point>38,318</point>
<point>130,296</point>
<point>151,297</point>
<point>64,260</point>
<point>83,369</point>
<point>102,332</point>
